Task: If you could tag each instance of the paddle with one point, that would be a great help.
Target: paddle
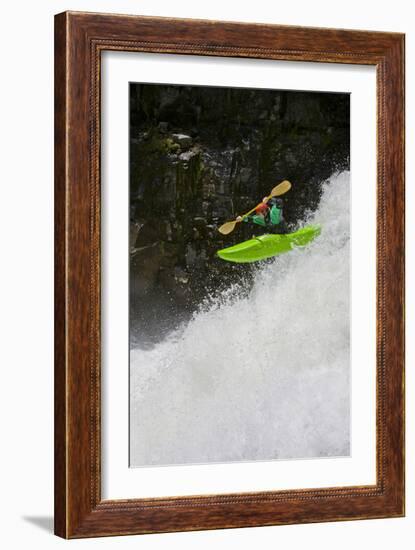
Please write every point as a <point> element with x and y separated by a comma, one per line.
<point>280,189</point>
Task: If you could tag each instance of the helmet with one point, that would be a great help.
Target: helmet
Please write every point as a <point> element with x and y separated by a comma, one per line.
<point>261,208</point>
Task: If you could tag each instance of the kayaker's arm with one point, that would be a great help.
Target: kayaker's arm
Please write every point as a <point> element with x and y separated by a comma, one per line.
<point>259,220</point>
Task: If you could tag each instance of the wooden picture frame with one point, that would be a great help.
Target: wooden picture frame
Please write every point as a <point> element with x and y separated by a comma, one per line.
<point>79,40</point>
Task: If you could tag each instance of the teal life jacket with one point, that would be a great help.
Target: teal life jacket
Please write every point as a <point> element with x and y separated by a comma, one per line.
<point>275,215</point>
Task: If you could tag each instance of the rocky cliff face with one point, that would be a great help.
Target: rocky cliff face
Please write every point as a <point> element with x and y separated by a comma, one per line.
<point>199,157</point>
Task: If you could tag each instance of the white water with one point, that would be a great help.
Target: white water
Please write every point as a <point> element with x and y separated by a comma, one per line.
<point>260,377</point>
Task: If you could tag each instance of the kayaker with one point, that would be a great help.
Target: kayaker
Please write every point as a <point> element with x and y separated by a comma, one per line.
<point>269,215</point>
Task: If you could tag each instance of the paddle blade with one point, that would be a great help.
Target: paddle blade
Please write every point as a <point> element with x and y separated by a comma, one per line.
<point>227,227</point>
<point>281,188</point>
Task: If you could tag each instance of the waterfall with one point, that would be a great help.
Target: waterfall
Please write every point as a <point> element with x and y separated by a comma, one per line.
<point>261,375</point>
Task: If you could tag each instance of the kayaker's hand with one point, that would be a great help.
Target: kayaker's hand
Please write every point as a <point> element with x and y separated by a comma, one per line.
<point>239,219</point>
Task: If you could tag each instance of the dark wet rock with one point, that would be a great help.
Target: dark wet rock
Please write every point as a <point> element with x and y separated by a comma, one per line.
<point>183,140</point>
<point>186,156</point>
<point>163,127</point>
<point>145,264</point>
<point>134,229</point>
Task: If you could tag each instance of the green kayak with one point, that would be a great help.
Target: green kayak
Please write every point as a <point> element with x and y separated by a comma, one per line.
<point>266,246</point>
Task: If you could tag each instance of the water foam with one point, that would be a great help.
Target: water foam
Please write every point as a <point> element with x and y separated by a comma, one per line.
<point>260,376</point>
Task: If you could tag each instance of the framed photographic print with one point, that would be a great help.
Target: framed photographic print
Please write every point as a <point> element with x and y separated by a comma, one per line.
<point>229,289</point>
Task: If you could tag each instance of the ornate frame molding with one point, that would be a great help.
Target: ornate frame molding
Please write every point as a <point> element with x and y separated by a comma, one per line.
<point>79,40</point>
